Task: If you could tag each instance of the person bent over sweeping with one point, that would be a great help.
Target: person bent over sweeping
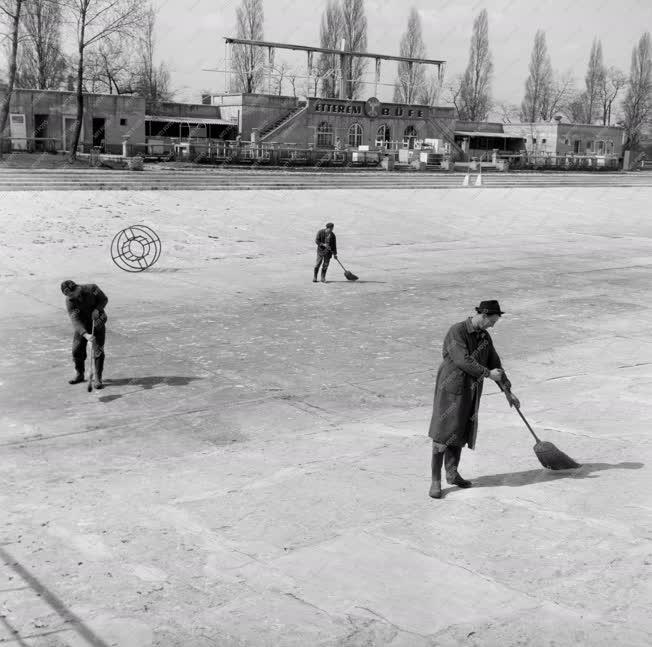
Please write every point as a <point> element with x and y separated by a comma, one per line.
<point>85,305</point>
<point>326,248</point>
<point>469,356</point>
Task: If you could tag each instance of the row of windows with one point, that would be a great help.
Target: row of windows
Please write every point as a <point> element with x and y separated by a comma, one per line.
<point>325,135</point>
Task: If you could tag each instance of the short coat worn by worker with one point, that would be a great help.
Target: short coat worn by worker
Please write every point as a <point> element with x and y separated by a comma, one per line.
<point>468,356</point>
<point>81,308</point>
<point>326,243</point>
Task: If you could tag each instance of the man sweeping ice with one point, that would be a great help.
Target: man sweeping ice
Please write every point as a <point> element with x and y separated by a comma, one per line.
<point>469,357</point>
<point>85,305</point>
<point>326,242</point>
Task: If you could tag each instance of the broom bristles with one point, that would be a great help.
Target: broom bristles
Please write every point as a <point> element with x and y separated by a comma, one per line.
<point>553,458</point>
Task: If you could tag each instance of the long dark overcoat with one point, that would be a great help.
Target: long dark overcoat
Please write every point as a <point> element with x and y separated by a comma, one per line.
<point>469,355</point>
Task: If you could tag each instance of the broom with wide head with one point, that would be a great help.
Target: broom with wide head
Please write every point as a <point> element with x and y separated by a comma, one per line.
<point>350,276</point>
<point>548,454</point>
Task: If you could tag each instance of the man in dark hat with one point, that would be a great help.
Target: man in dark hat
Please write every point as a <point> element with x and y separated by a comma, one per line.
<point>326,248</point>
<point>469,357</point>
<point>85,305</point>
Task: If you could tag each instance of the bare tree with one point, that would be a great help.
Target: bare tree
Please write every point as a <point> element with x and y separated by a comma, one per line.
<point>354,32</point>
<point>430,91</point>
<point>594,80</point>
<point>612,83</point>
<point>476,91</point>
<point>509,112</point>
<point>537,86</point>
<point>248,60</point>
<point>10,11</point>
<point>411,79</point>
<point>575,107</point>
<point>638,100</point>
<point>561,91</point>
<point>42,64</point>
<point>330,35</point>
<point>452,94</point>
<point>292,78</point>
<point>96,21</point>
<point>110,67</point>
<point>153,81</point>
<point>282,71</point>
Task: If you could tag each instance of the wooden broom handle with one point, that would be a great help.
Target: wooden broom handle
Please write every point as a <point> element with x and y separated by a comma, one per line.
<point>518,410</point>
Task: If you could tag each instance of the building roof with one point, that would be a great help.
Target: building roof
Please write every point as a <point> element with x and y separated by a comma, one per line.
<point>481,133</point>
<point>189,120</point>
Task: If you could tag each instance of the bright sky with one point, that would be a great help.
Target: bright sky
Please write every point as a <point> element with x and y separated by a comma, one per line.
<point>190,35</point>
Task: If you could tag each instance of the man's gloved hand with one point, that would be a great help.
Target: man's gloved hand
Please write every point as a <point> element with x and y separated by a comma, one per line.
<point>496,374</point>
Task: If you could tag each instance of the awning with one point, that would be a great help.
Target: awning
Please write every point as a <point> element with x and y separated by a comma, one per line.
<point>190,120</point>
<point>483,134</point>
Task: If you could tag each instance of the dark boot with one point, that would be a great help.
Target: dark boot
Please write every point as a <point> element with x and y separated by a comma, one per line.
<point>323,277</point>
<point>435,466</point>
<point>314,276</point>
<point>452,457</point>
<point>79,377</point>
<point>99,367</point>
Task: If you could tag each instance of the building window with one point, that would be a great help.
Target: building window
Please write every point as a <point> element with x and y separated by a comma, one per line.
<point>589,146</point>
<point>409,137</point>
<point>383,136</point>
<point>534,140</point>
<point>566,142</point>
<point>600,148</point>
<point>324,134</point>
<point>123,121</point>
<point>543,141</point>
<point>577,145</point>
<point>355,135</point>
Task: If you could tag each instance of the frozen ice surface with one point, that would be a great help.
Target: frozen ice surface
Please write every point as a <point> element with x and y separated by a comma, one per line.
<point>256,470</point>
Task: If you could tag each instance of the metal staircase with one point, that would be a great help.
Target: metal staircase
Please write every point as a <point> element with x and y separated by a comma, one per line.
<point>448,134</point>
<point>273,126</point>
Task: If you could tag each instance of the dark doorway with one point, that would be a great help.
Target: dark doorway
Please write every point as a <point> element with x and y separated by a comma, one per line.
<point>40,133</point>
<point>98,132</point>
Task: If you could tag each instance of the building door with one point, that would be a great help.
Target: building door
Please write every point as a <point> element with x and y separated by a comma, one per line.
<point>576,146</point>
<point>99,135</point>
<point>18,132</point>
<point>40,133</point>
<point>69,124</point>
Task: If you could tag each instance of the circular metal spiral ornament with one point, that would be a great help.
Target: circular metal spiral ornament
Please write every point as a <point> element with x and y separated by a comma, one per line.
<point>135,248</point>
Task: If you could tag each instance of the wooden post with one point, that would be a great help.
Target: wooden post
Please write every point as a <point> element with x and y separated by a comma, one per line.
<point>270,65</point>
<point>377,81</point>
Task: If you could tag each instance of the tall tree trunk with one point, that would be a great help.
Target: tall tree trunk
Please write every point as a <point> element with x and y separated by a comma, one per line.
<point>4,111</point>
<point>80,92</point>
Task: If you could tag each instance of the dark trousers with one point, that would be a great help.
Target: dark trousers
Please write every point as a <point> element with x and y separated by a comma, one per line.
<point>324,262</point>
<point>450,457</point>
<point>79,351</point>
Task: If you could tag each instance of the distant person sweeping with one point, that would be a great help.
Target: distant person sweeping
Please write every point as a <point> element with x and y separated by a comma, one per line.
<point>469,357</point>
<point>85,305</point>
<point>326,248</point>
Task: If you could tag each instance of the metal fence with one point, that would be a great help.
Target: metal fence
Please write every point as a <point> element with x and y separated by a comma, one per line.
<point>569,162</point>
<point>30,144</point>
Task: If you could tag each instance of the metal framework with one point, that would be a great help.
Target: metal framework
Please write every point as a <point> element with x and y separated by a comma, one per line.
<point>344,58</point>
